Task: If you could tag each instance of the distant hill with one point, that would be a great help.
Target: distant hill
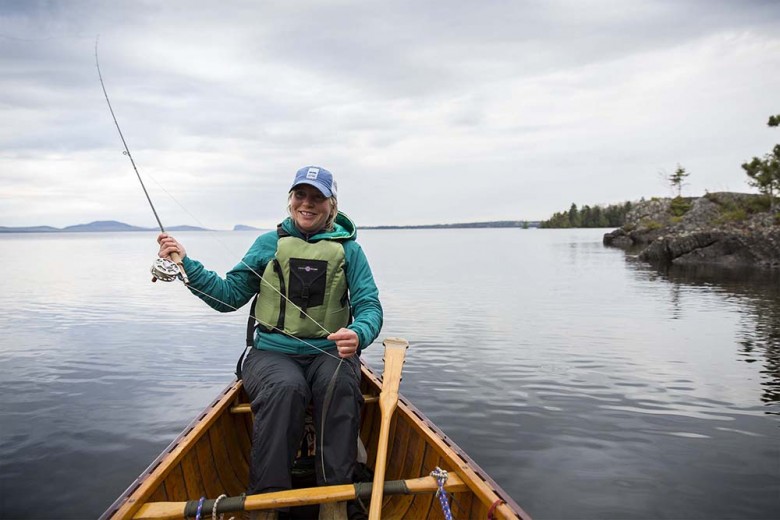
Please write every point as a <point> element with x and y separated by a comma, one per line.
<point>186,228</point>
<point>242,227</point>
<point>97,226</point>
<point>102,225</point>
<point>29,229</point>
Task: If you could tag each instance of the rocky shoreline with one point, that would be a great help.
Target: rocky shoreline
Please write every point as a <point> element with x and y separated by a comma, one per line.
<point>724,228</point>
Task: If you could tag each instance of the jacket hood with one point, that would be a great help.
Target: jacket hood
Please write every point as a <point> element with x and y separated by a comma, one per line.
<point>343,229</point>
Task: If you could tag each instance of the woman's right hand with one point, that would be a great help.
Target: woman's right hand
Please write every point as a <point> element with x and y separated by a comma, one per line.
<point>169,245</point>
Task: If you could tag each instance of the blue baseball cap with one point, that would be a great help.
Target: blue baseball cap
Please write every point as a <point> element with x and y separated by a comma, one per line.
<point>318,177</point>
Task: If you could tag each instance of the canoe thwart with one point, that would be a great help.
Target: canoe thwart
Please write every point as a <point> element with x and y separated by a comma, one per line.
<point>246,407</point>
<point>296,497</point>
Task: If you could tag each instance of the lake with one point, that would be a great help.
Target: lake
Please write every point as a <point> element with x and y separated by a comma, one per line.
<point>587,384</point>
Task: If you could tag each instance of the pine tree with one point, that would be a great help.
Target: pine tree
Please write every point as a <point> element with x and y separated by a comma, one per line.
<point>676,179</point>
<point>764,174</point>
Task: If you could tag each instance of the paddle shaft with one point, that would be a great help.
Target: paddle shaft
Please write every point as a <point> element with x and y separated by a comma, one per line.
<point>395,351</point>
<point>299,497</point>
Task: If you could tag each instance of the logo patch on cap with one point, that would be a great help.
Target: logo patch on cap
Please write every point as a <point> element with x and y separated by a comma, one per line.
<point>312,173</point>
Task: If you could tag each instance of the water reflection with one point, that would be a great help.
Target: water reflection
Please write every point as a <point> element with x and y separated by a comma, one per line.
<point>757,291</point>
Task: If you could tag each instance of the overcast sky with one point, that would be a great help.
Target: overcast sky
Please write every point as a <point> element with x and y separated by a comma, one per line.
<point>425,111</point>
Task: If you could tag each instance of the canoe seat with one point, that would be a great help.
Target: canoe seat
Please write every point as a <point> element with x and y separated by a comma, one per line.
<point>246,407</point>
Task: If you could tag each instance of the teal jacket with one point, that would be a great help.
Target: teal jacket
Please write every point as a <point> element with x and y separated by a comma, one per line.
<point>243,281</point>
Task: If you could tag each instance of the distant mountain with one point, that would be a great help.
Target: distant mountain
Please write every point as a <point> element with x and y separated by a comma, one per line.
<point>103,225</point>
<point>99,225</point>
<point>28,229</point>
<point>242,227</point>
<point>186,228</point>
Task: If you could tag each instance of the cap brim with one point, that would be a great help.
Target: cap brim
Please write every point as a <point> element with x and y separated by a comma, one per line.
<point>323,189</point>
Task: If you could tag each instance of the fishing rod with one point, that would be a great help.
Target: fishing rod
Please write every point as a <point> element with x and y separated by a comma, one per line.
<point>168,270</point>
<point>162,268</point>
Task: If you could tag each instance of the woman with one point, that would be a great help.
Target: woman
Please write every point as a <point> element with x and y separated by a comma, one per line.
<point>317,308</point>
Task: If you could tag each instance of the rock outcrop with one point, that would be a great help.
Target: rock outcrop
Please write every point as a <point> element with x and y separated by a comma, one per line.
<point>730,229</point>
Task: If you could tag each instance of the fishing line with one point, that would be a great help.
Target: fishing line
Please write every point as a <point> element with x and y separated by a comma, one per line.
<point>263,323</point>
<point>226,248</point>
<point>325,407</point>
<point>242,262</point>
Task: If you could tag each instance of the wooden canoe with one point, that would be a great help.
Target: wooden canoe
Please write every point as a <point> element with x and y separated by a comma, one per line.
<point>210,458</point>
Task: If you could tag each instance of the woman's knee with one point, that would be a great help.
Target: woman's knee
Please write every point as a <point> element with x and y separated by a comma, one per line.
<point>290,391</point>
<point>271,374</point>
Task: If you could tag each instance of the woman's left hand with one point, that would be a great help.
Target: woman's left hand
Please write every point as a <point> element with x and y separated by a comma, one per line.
<point>346,341</point>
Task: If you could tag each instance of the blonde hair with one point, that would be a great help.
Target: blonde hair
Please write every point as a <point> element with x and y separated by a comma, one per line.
<point>334,211</point>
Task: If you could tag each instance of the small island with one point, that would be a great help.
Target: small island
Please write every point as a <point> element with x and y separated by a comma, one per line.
<point>725,228</point>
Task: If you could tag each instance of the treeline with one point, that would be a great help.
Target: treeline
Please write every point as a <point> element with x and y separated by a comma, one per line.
<point>613,215</point>
<point>464,225</point>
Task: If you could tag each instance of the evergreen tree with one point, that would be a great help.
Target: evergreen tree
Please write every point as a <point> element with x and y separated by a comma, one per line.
<point>764,174</point>
<point>574,216</point>
<point>676,179</point>
<point>589,217</point>
<point>585,216</point>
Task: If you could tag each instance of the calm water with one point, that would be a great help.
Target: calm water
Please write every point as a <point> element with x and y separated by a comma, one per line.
<point>588,385</point>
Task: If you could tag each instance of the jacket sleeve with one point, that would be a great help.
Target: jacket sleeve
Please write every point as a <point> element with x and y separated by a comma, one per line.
<point>240,283</point>
<point>363,295</point>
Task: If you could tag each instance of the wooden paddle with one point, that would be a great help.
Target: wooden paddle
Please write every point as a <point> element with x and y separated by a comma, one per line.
<point>395,351</point>
<point>296,497</point>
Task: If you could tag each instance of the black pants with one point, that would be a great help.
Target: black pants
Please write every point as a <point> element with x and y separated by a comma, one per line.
<point>281,387</point>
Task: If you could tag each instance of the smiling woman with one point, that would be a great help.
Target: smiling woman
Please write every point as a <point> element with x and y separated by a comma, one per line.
<point>318,308</point>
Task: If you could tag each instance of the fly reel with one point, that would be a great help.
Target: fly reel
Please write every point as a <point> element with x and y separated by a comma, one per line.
<point>165,270</point>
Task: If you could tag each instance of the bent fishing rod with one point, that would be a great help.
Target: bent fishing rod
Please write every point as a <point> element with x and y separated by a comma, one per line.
<point>167,270</point>
<point>162,268</point>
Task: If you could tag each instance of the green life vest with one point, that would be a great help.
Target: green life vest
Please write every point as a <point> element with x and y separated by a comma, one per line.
<point>310,274</point>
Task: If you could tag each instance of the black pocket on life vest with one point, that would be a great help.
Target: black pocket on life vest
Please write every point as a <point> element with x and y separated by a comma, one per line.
<point>307,282</point>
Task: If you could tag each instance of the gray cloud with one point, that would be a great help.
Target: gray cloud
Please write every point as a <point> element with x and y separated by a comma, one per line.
<point>450,110</point>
